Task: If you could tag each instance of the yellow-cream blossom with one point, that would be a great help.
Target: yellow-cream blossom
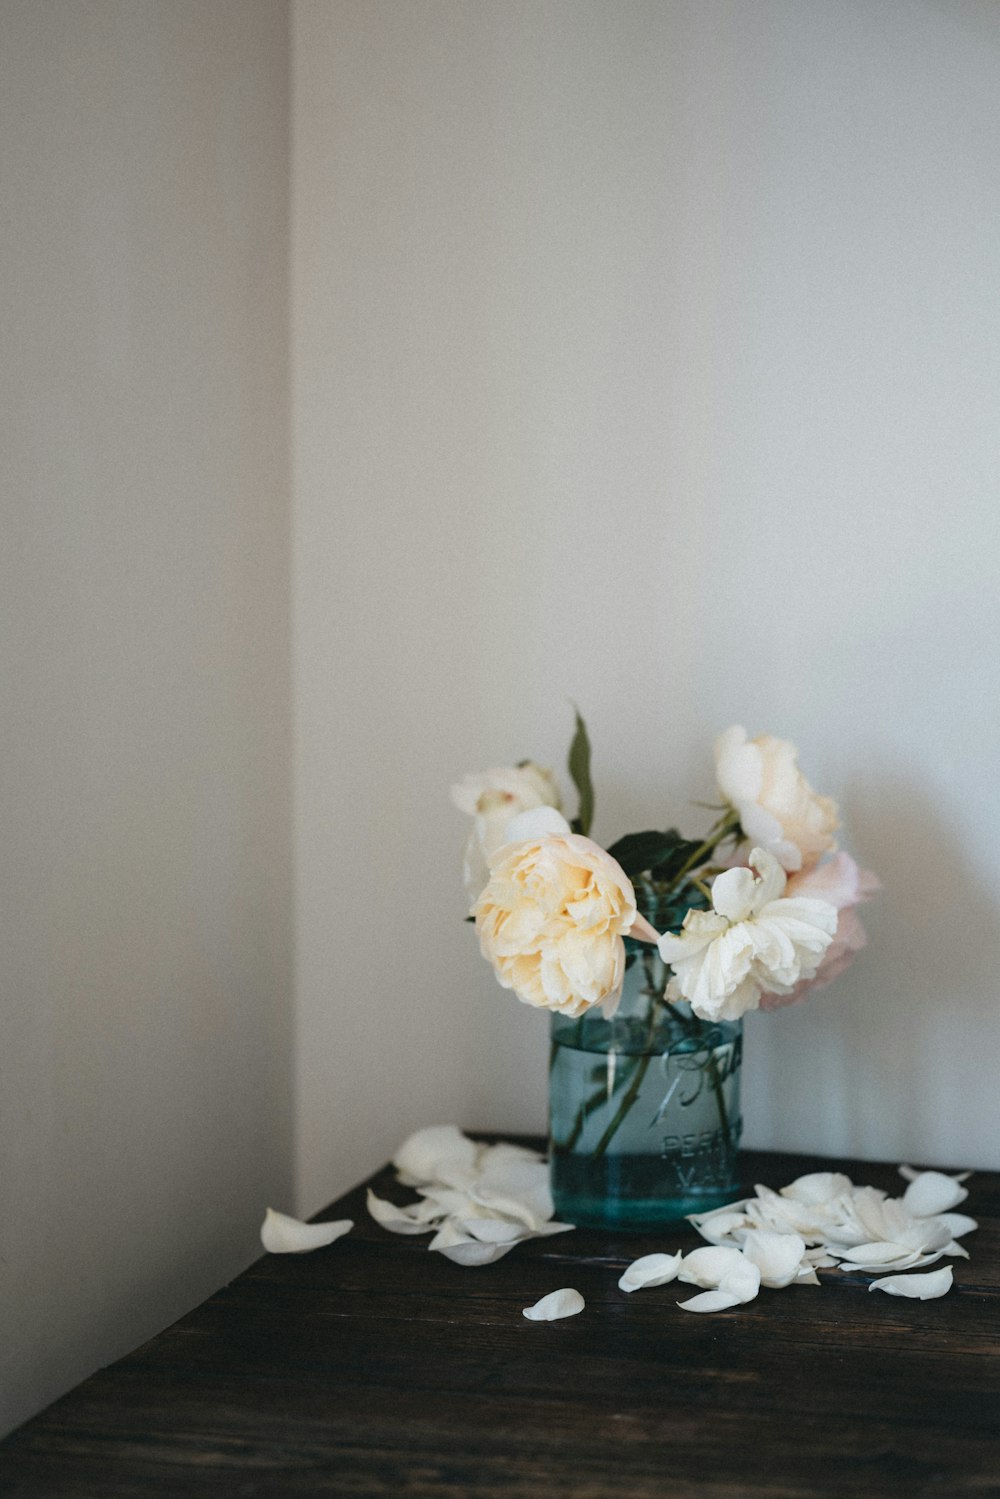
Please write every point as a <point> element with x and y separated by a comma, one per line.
<point>553,914</point>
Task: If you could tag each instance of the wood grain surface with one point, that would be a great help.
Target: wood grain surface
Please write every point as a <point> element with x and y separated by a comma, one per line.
<point>373,1367</point>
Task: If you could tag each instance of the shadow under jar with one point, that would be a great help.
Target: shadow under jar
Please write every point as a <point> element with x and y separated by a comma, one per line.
<point>644,1109</point>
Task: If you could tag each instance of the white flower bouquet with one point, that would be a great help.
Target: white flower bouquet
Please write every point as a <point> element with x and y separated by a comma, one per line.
<point>755,914</point>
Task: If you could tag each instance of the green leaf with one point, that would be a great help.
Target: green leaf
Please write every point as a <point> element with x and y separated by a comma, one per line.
<point>579,769</point>
<point>670,867</point>
<point>637,852</point>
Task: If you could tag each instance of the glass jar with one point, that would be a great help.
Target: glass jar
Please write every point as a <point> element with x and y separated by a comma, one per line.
<point>644,1109</point>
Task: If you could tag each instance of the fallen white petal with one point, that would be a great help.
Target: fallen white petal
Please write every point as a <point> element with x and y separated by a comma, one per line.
<point>876,1254</point>
<point>397,1220</point>
<point>784,1214</point>
<point>650,1270</point>
<point>464,1251</point>
<point>921,1287</point>
<point>506,1150</point>
<point>958,1224</point>
<point>516,1189</point>
<point>911,1173</point>
<point>439,1202</point>
<point>709,1301</point>
<point>932,1193</point>
<point>280,1234</point>
<point>911,1261</point>
<point>743,1281</point>
<point>720,1227</point>
<point>490,1230</point>
<point>564,1303</point>
<point>438,1153</point>
<point>707,1267</point>
<point>818,1187</point>
<point>778,1257</point>
<point>721,1270</point>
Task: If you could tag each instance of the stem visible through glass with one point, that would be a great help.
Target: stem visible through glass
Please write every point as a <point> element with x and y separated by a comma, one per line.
<point>692,1025</point>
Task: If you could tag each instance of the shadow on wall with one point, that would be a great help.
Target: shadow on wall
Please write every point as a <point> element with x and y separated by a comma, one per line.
<point>896,1056</point>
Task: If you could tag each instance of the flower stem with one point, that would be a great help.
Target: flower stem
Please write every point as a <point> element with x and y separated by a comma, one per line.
<point>727,823</point>
<point>628,1100</point>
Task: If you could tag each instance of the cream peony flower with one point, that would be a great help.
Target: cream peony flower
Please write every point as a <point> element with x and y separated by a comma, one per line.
<point>492,799</point>
<point>779,811</point>
<point>552,917</point>
<point>753,942</point>
<point>845,886</point>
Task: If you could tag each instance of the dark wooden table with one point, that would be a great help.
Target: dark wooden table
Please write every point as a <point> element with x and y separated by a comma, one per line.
<point>375,1368</point>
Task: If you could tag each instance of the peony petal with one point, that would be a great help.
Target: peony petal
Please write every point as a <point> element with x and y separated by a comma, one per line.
<point>771,878</point>
<point>743,1281</point>
<point>439,1202</point>
<point>398,1220</point>
<point>463,1250</point>
<point>423,1154</point>
<point>563,1303</point>
<point>709,1301</point>
<point>920,1287</point>
<point>641,931</point>
<point>778,1257</point>
<point>733,893</point>
<point>516,1189</point>
<point>722,1269</point>
<point>488,1230</point>
<point>906,1260</point>
<point>958,1224</point>
<point>876,1254</point>
<point>932,1193</point>
<point>706,1267</point>
<point>911,1173</point>
<point>537,822</point>
<point>650,1270</point>
<point>280,1234</point>
<point>818,1187</point>
<point>723,1226</point>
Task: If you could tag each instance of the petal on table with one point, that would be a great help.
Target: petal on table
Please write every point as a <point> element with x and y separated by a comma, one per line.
<point>709,1301</point>
<point>818,1187</point>
<point>778,1257</point>
<point>437,1153</point>
<point>706,1267</point>
<point>397,1220</point>
<point>722,1226</point>
<point>563,1303</point>
<point>650,1270</point>
<point>921,1287</point>
<point>280,1234</point>
<point>932,1193</point>
<point>462,1250</point>
<point>958,1223</point>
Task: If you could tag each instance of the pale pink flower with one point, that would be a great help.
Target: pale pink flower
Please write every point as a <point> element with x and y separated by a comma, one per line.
<point>840,882</point>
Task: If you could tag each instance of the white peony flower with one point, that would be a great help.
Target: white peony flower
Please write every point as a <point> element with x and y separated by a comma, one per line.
<point>778,809</point>
<point>753,942</point>
<point>493,799</point>
<point>552,917</point>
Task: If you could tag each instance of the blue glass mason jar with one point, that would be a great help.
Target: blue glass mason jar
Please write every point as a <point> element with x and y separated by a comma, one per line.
<point>644,1109</point>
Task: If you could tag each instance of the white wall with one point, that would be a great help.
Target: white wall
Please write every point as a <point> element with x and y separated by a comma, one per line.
<point>646,353</point>
<point>144,803</point>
